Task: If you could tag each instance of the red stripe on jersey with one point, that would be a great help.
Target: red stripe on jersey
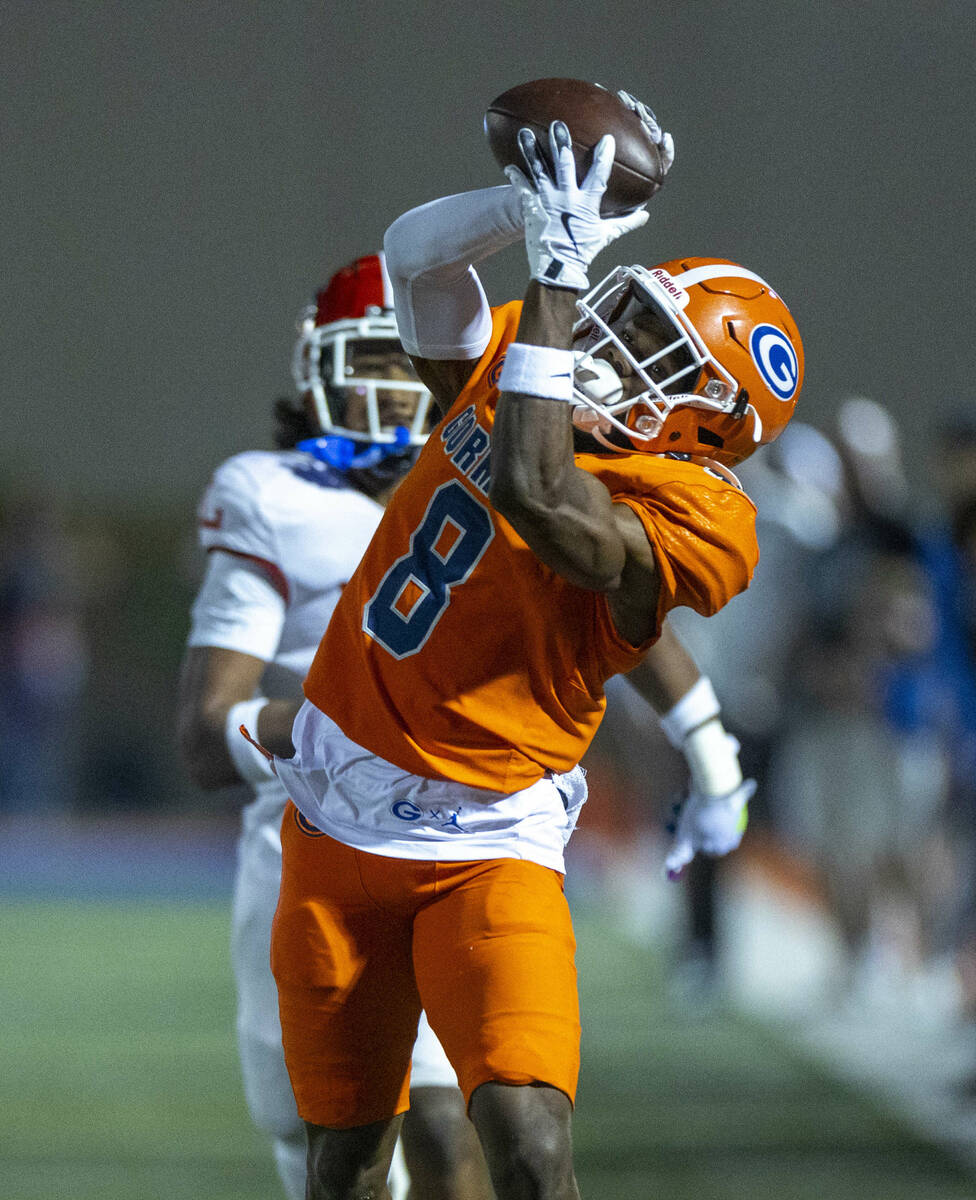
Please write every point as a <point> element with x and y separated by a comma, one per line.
<point>274,573</point>
<point>213,522</point>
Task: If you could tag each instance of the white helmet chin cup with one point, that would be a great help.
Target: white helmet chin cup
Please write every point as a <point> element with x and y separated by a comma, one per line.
<point>600,391</point>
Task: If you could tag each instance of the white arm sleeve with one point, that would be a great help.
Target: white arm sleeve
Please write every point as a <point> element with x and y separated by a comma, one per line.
<point>441,308</point>
<point>237,608</point>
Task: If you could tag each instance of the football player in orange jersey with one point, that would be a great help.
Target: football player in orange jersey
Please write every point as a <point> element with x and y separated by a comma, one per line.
<point>284,530</point>
<point>577,488</point>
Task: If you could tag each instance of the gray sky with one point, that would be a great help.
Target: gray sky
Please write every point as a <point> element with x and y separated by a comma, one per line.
<point>178,178</point>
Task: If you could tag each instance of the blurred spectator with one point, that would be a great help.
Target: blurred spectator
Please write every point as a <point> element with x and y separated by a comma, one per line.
<point>798,488</point>
<point>797,484</point>
<point>43,660</point>
<point>875,752</point>
<point>942,694</point>
<point>857,797</point>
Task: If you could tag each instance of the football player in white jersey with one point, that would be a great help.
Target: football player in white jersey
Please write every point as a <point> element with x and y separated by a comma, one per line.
<point>284,530</point>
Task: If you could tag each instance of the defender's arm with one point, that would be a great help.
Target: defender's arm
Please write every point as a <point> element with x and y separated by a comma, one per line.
<point>239,606</point>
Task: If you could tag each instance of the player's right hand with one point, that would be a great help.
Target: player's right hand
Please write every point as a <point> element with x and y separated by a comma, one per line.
<point>564,230</point>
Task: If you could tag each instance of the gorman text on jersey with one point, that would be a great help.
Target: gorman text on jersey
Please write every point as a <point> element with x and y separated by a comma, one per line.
<point>468,446</point>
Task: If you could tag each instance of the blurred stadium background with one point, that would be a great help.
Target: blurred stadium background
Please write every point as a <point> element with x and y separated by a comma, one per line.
<point>797,1022</point>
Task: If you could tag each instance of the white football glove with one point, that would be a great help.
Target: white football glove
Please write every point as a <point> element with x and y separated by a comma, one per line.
<point>564,231</point>
<point>663,141</point>
<point>709,825</point>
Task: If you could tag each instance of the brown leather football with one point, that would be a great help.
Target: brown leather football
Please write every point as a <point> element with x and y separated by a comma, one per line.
<point>589,111</point>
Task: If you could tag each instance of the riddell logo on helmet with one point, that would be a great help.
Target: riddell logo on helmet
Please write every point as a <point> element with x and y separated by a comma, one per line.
<point>666,282</point>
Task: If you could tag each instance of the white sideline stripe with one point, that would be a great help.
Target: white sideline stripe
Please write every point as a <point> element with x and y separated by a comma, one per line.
<point>912,1066</point>
<point>716,271</point>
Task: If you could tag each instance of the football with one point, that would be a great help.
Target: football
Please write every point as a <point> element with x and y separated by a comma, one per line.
<point>589,111</point>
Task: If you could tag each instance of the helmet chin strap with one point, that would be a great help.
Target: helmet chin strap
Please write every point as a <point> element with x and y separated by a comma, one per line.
<point>757,428</point>
<point>347,455</point>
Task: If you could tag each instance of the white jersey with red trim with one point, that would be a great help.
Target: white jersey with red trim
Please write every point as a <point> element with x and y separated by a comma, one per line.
<point>288,532</point>
<point>301,522</point>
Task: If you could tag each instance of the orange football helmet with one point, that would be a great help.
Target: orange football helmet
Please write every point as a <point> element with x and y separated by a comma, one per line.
<point>723,374</point>
<point>355,310</point>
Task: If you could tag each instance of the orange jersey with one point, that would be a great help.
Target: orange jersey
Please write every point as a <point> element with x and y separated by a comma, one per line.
<point>455,653</point>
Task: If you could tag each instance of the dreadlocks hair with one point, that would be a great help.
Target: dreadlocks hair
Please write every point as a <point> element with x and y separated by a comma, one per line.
<point>293,423</point>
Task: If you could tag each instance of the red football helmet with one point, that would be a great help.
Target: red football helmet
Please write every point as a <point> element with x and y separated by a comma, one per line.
<point>725,368</point>
<point>353,316</point>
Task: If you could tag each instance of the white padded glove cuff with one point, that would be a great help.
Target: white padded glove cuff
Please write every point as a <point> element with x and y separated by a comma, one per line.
<point>698,705</point>
<point>713,759</point>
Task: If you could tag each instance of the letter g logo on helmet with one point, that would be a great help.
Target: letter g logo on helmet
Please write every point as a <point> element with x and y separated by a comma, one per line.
<point>776,360</point>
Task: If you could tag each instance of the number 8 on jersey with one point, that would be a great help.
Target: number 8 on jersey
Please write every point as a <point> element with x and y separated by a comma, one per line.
<point>444,549</point>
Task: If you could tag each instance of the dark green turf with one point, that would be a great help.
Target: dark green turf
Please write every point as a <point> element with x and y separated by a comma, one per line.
<point>119,1079</point>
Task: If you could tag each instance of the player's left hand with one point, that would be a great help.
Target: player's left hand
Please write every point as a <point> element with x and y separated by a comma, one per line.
<point>708,825</point>
<point>663,141</point>
<point>564,230</point>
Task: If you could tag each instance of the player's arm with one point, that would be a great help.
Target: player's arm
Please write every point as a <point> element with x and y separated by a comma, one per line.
<point>443,316</point>
<point>565,515</point>
<point>669,680</point>
<point>713,816</point>
<point>217,696</point>
<point>666,673</point>
<point>236,625</point>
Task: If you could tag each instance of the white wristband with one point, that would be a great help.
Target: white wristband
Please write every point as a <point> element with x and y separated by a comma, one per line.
<point>541,371</point>
<point>251,764</point>
<point>713,760</point>
<point>698,705</point>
